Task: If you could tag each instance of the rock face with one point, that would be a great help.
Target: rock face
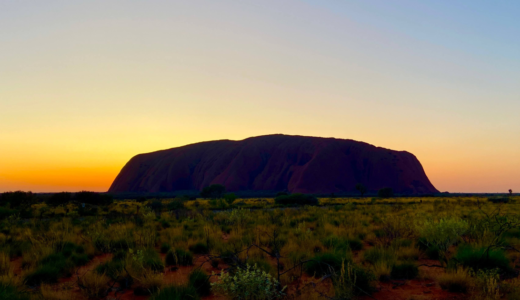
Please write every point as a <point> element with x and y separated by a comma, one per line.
<point>297,164</point>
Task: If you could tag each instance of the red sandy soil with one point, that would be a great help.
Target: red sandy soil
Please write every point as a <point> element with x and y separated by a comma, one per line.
<point>417,289</point>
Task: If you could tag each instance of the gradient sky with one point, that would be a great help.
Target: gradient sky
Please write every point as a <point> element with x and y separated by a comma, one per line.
<point>85,85</point>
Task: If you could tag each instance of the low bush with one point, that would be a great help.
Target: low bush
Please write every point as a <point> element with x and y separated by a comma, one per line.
<point>5,213</point>
<point>179,257</point>
<point>260,263</point>
<point>199,248</point>
<point>112,268</point>
<point>325,263</point>
<point>296,199</point>
<point>165,248</point>
<point>43,274</point>
<point>177,293</point>
<point>339,244</point>
<point>377,254</point>
<point>248,283</point>
<point>498,199</point>
<point>355,244</point>
<point>10,292</point>
<point>404,270</point>
<point>476,258</point>
<point>79,259</point>
<point>444,233</point>
<point>152,260</point>
<point>200,281</point>
<point>385,193</point>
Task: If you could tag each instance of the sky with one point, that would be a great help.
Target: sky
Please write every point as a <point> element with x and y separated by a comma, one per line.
<point>86,85</point>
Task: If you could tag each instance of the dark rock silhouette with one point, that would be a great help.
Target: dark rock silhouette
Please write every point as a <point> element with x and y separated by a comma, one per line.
<point>297,164</point>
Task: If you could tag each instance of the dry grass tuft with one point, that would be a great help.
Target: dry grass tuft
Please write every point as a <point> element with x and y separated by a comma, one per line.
<point>458,281</point>
<point>94,285</point>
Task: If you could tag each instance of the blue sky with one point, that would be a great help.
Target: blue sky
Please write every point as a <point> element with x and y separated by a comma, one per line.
<point>85,85</point>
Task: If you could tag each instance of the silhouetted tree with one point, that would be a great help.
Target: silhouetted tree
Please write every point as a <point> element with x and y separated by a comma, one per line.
<point>59,199</point>
<point>361,189</point>
<point>213,191</point>
<point>385,193</point>
<point>93,198</point>
<point>230,197</point>
<point>299,199</point>
<point>18,199</point>
<point>510,192</point>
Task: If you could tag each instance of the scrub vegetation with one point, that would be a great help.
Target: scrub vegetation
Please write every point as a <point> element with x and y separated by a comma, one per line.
<point>89,246</point>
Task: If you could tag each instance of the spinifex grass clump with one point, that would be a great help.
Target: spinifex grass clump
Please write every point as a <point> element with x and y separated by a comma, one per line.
<point>179,257</point>
<point>341,244</point>
<point>177,293</point>
<point>152,260</point>
<point>57,265</point>
<point>199,248</point>
<point>323,264</point>
<point>352,280</point>
<point>456,281</point>
<point>404,270</point>
<point>10,292</point>
<point>200,281</point>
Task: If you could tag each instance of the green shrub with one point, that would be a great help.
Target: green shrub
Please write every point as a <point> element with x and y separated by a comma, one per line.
<point>165,224</point>
<point>79,259</point>
<point>230,198</point>
<point>335,243</point>
<point>119,255</point>
<point>213,191</point>
<point>332,242</point>
<point>5,213</point>
<point>378,254</point>
<point>53,259</point>
<point>385,193</point>
<point>260,263</point>
<point>476,259</point>
<point>498,199</point>
<point>44,274</point>
<point>177,293</point>
<point>200,281</point>
<point>248,283</point>
<point>355,244</point>
<point>176,204</point>
<point>323,264</point>
<point>152,260</point>
<point>199,248</point>
<point>432,252</point>
<point>405,270</point>
<point>444,233</point>
<point>179,257</point>
<point>298,199</point>
<point>9,292</point>
<point>121,244</point>
<point>111,268</point>
<point>165,248</point>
